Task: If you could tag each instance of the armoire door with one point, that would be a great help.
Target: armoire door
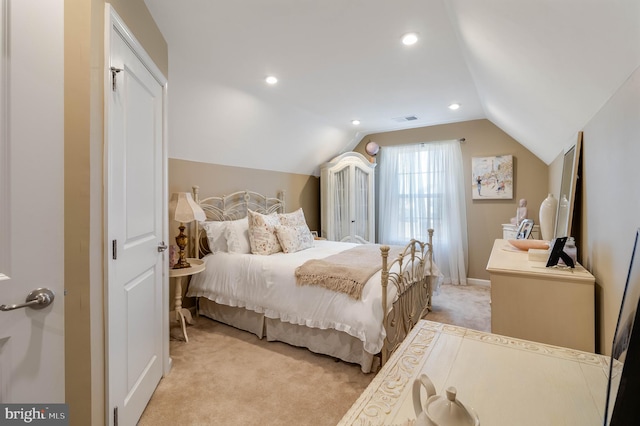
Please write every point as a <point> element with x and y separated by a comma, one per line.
<point>347,199</point>
<point>343,204</point>
<point>361,210</point>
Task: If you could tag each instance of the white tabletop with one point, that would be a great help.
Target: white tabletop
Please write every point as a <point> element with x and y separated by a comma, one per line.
<point>197,265</point>
<point>507,381</point>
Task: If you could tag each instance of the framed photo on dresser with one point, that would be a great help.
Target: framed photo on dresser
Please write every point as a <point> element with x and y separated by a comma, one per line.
<point>524,230</point>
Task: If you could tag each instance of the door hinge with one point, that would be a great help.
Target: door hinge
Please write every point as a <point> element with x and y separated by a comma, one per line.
<point>115,416</point>
<point>114,71</point>
<point>114,249</point>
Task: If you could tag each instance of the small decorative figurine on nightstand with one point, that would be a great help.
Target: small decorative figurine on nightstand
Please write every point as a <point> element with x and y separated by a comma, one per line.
<point>173,255</point>
<point>521,212</point>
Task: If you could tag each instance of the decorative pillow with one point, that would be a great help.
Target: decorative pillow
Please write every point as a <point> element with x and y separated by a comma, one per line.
<point>237,234</point>
<point>262,233</point>
<point>294,238</point>
<point>292,219</point>
<point>216,231</point>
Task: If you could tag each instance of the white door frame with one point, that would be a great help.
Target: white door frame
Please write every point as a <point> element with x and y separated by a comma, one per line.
<point>112,20</point>
<point>4,154</point>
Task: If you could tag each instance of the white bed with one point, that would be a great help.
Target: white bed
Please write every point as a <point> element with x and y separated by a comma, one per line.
<point>259,293</point>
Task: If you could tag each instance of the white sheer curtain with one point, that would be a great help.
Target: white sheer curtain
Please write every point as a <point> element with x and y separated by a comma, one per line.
<point>422,187</point>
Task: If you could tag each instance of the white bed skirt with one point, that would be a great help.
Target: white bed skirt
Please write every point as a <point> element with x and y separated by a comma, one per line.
<point>334,343</point>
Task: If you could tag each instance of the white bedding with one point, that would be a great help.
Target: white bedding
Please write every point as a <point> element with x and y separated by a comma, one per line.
<point>266,284</point>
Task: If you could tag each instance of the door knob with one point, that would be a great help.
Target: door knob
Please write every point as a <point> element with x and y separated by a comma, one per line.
<point>162,247</point>
<point>37,299</point>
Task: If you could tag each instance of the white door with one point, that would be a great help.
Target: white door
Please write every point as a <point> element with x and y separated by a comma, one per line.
<point>31,200</point>
<point>136,205</point>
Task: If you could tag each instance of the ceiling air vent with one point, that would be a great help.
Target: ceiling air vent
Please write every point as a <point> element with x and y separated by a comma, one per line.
<point>403,119</point>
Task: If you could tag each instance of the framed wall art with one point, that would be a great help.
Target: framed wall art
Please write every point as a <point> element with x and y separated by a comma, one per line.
<point>492,177</point>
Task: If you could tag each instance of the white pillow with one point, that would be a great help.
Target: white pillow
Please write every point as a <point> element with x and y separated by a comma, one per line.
<point>294,238</point>
<point>295,218</point>
<point>216,235</point>
<point>262,233</point>
<point>237,234</point>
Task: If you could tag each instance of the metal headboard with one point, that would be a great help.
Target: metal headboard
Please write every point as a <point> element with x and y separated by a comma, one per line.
<point>232,207</point>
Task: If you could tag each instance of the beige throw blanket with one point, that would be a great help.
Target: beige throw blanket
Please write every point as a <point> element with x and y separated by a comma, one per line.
<point>347,271</point>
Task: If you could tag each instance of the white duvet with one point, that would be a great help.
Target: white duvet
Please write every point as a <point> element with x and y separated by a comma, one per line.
<point>267,285</point>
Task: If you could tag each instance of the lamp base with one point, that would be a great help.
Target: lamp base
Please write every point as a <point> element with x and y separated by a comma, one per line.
<point>182,265</point>
<point>181,241</point>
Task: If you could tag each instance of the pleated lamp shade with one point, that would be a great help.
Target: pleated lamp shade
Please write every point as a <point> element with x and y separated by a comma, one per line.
<point>184,208</point>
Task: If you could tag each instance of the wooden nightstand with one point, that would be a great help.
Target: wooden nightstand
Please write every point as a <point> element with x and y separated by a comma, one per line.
<point>183,315</point>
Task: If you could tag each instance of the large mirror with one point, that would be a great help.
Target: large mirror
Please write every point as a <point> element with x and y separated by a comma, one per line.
<point>623,385</point>
<point>567,196</point>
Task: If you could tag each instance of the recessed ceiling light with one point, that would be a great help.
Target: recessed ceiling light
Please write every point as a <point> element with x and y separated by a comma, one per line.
<point>271,80</point>
<point>454,106</point>
<point>409,39</point>
<point>355,122</point>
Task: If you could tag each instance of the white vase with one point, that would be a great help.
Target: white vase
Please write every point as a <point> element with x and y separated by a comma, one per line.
<point>548,210</point>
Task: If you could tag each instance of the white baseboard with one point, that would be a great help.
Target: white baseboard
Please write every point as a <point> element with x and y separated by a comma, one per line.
<point>478,281</point>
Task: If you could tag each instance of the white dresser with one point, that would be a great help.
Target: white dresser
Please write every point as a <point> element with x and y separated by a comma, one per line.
<point>507,381</point>
<point>347,199</point>
<point>533,302</point>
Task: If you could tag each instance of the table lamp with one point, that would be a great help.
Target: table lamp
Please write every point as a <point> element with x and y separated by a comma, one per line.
<point>184,210</point>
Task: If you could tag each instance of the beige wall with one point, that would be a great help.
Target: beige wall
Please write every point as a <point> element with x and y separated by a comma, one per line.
<point>77,75</point>
<point>611,200</point>
<point>484,217</point>
<point>213,179</point>
<point>84,118</point>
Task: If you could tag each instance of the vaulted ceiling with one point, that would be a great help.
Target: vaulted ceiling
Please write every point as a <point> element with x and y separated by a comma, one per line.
<point>539,70</point>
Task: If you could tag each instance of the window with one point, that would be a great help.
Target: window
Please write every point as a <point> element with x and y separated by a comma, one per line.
<point>422,187</point>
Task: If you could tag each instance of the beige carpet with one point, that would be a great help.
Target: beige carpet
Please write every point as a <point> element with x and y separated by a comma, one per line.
<point>225,376</point>
<point>466,306</point>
